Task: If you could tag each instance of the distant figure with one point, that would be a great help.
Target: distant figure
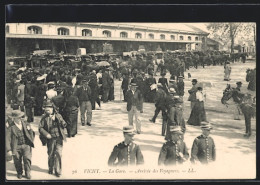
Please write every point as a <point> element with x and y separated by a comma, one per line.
<point>227,72</point>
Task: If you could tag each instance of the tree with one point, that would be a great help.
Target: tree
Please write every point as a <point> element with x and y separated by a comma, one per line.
<point>224,30</point>
<point>228,32</point>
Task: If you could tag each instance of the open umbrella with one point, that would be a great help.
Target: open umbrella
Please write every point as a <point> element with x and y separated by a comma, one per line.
<point>103,63</point>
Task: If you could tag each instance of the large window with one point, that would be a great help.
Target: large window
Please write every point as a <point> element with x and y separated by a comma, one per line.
<point>63,31</point>
<point>151,36</point>
<point>189,37</point>
<point>172,37</point>
<point>162,36</point>
<point>138,35</point>
<point>87,33</point>
<point>181,37</point>
<point>34,30</point>
<point>123,35</point>
<point>196,38</point>
<point>7,29</point>
<point>106,33</point>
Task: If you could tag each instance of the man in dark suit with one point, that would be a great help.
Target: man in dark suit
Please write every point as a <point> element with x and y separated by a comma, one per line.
<point>125,84</point>
<point>134,98</point>
<point>203,148</point>
<point>174,151</point>
<point>22,137</point>
<point>160,103</point>
<point>106,83</point>
<point>84,95</point>
<point>51,129</point>
<point>127,152</point>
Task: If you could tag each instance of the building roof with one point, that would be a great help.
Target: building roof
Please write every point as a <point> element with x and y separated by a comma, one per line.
<point>175,27</point>
<point>212,42</point>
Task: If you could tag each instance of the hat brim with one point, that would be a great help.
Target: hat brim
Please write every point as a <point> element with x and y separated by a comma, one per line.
<point>129,133</point>
<point>176,132</point>
<point>17,116</point>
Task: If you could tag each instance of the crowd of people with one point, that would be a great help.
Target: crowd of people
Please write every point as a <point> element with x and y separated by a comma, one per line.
<point>57,93</point>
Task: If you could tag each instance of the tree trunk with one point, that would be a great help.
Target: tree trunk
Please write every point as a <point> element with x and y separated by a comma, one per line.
<point>232,44</point>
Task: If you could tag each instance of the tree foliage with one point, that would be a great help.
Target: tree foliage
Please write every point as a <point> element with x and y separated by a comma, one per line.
<point>228,32</point>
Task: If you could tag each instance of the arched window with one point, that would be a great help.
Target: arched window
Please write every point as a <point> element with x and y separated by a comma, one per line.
<point>106,33</point>
<point>189,37</point>
<point>63,31</point>
<point>172,37</point>
<point>138,35</point>
<point>151,36</point>
<point>87,33</point>
<point>7,29</point>
<point>34,30</point>
<point>123,35</point>
<point>196,38</point>
<point>162,36</point>
<point>181,37</point>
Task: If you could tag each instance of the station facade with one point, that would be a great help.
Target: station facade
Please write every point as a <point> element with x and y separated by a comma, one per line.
<point>23,38</point>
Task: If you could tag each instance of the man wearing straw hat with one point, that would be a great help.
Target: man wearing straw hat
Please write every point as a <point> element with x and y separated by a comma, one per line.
<point>127,152</point>
<point>203,148</point>
<point>174,151</point>
<point>21,141</point>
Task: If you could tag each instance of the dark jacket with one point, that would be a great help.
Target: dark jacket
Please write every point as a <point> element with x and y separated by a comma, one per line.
<point>28,134</point>
<point>160,98</point>
<point>120,152</point>
<point>44,127</point>
<point>192,93</point>
<point>180,88</point>
<point>133,99</point>
<point>106,81</point>
<point>202,148</point>
<point>168,155</point>
<point>80,94</point>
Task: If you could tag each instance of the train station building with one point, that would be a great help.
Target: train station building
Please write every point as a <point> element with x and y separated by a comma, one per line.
<point>23,38</point>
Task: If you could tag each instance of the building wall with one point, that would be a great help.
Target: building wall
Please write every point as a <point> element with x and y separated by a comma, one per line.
<point>76,30</point>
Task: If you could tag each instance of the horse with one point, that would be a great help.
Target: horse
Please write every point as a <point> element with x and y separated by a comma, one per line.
<point>247,104</point>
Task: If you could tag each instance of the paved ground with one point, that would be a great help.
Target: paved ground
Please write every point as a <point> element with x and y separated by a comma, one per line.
<point>90,149</point>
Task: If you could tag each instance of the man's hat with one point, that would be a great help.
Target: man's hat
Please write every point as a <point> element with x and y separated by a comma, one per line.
<point>128,130</point>
<point>176,129</point>
<point>163,74</point>
<point>194,80</point>
<point>51,83</point>
<point>48,104</point>
<point>16,114</point>
<point>172,91</point>
<point>41,77</point>
<point>180,77</point>
<point>134,84</point>
<point>206,125</point>
<point>239,83</point>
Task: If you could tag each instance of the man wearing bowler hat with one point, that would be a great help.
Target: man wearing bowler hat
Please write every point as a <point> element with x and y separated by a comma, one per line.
<point>51,129</point>
<point>127,152</point>
<point>134,99</point>
<point>203,148</point>
<point>21,141</point>
<point>174,151</point>
<point>84,95</point>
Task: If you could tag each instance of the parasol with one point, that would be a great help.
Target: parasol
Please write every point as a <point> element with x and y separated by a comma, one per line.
<point>103,63</point>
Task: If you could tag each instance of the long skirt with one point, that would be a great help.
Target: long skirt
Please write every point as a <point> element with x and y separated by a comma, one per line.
<point>72,122</point>
<point>198,114</point>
